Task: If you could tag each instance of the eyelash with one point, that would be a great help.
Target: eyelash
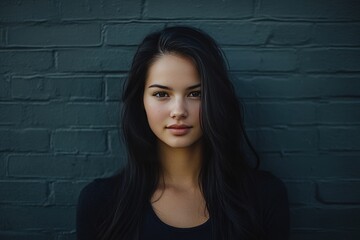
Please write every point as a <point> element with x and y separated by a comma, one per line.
<point>157,94</point>
<point>197,92</point>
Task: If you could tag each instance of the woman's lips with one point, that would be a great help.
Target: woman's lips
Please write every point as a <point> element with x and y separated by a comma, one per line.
<point>179,129</point>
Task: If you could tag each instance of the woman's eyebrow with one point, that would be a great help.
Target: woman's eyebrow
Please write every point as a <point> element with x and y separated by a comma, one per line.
<point>168,88</point>
<point>194,86</point>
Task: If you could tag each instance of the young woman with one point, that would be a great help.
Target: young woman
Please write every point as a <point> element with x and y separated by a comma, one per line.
<point>186,176</point>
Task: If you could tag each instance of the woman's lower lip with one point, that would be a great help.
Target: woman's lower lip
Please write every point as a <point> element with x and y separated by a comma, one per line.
<point>179,131</point>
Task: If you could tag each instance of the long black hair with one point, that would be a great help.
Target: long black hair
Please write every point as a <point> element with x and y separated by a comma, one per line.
<point>224,176</point>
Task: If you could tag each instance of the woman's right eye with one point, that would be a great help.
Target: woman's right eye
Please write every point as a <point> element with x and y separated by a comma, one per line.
<point>160,94</point>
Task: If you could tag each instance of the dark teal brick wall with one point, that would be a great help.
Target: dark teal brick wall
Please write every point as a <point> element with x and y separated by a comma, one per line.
<point>295,64</point>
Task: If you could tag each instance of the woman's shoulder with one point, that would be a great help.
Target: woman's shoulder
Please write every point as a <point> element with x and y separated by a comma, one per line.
<point>274,206</point>
<point>266,180</point>
<point>99,192</point>
<point>101,184</point>
<point>95,202</point>
<point>270,188</point>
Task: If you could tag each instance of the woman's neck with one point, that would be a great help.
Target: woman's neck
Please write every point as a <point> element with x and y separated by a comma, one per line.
<point>181,166</point>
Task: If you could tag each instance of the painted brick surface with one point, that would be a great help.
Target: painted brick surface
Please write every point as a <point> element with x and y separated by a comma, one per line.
<point>25,61</point>
<point>72,114</point>
<point>55,35</point>
<point>134,32</point>
<point>200,9</point>
<point>339,191</point>
<point>108,9</point>
<point>4,87</point>
<point>13,114</point>
<point>83,88</point>
<point>32,192</point>
<point>80,141</point>
<point>321,9</point>
<point>294,64</point>
<point>94,60</point>
<point>41,10</point>
<point>2,37</point>
<point>23,140</point>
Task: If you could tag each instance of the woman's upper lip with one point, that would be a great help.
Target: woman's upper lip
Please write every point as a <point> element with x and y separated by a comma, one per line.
<point>178,126</point>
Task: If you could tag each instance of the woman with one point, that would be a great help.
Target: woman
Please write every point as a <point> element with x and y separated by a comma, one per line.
<point>186,176</point>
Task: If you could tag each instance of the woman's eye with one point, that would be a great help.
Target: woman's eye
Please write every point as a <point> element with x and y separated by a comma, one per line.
<point>160,94</point>
<point>195,94</point>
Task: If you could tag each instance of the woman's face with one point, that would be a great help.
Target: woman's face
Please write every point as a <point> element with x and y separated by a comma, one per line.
<point>172,100</point>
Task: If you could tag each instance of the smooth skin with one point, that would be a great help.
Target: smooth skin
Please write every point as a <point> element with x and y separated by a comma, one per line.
<point>172,100</point>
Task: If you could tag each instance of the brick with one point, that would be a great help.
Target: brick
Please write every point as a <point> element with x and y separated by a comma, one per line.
<point>80,141</point>
<point>332,86</point>
<point>2,37</point>
<point>26,235</point>
<point>27,140</point>
<point>4,87</point>
<point>94,60</point>
<point>57,87</point>
<point>45,166</point>
<point>46,35</point>
<point>72,114</point>
<point>114,87</point>
<point>234,33</point>
<point>328,234</point>
<point>129,33</point>
<point>327,165</point>
<point>24,61</point>
<point>339,112</point>
<point>285,140</point>
<point>312,165</point>
<point>290,34</point>
<point>261,60</point>
<point>243,86</point>
<point>336,34</point>
<point>338,9</point>
<point>330,60</point>
<point>3,168</point>
<point>45,115</point>
<point>292,87</point>
<point>10,114</point>
<point>17,11</point>
<point>339,138</point>
<point>339,191</point>
<point>67,236</point>
<point>320,217</point>
<point>67,193</point>
<point>200,10</point>
<point>107,9</point>
<point>37,218</point>
<point>23,192</point>
<point>300,192</point>
<point>280,113</point>
<point>103,114</point>
<point>61,166</point>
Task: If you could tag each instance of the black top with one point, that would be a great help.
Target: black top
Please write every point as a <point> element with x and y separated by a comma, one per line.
<point>153,228</point>
<point>97,198</point>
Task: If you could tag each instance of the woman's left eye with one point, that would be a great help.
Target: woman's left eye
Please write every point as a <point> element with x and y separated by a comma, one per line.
<point>195,94</point>
<point>160,94</point>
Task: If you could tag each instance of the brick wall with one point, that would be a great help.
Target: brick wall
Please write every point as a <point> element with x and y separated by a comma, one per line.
<point>296,65</point>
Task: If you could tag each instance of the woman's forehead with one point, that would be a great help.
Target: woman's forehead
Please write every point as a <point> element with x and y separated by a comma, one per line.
<point>173,70</point>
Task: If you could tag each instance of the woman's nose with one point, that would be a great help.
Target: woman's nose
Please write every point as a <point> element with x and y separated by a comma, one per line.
<point>179,110</point>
